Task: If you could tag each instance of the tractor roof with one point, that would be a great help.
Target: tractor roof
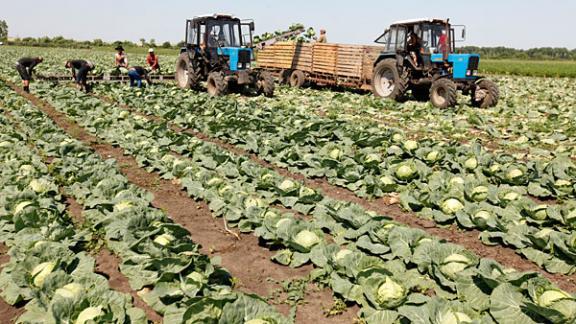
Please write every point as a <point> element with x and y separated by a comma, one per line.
<point>420,20</point>
<point>216,16</point>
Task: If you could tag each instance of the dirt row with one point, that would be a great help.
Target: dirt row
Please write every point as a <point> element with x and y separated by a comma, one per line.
<point>8,312</point>
<point>246,260</point>
<point>469,239</point>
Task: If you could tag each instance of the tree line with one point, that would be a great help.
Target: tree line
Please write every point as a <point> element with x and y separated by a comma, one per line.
<point>60,41</point>
<point>540,53</point>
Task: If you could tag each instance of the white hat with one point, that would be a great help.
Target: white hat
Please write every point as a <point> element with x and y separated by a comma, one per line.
<point>151,50</point>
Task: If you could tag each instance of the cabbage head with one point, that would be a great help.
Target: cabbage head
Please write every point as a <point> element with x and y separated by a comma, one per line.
<point>451,206</point>
<point>406,171</point>
<point>410,145</point>
<point>257,321</point>
<point>390,292</point>
<point>41,271</point>
<point>481,218</point>
<point>384,292</point>
<point>479,193</point>
<point>89,315</point>
<point>70,291</point>
<point>455,263</point>
<point>432,156</point>
<point>387,184</point>
<point>307,239</point>
<point>471,163</point>
<point>453,317</point>
<point>288,186</point>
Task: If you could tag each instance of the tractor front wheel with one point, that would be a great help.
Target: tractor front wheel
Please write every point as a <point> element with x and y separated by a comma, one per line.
<point>486,94</point>
<point>266,84</point>
<point>185,75</point>
<point>216,85</point>
<point>443,93</point>
<point>388,81</point>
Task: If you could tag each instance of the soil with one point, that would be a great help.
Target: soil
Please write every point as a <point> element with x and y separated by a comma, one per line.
<point>8,313</point>
<point>467,238</point>
<point>248,262</point>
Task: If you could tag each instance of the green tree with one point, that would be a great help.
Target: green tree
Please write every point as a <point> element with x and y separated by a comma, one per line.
<point>3,30</point>
<point>166,45</point>
<point>142,42</point>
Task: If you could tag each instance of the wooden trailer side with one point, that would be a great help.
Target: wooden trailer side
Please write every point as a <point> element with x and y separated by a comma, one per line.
<point>324,64</point>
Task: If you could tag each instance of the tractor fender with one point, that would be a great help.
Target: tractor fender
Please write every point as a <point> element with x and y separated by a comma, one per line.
<point>383,57</point>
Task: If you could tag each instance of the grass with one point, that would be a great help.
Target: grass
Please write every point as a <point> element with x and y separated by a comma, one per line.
<point>529,68</point>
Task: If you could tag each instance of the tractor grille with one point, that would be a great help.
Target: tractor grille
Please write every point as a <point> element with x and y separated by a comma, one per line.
<point>244,57</point>
<point>473,63</point>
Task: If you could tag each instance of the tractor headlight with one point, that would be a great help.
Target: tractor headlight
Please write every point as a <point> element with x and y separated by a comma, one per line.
<point>243,66</point>
<point>472,73</point>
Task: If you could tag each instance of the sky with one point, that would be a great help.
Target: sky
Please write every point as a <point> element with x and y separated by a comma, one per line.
<point>511,23</point>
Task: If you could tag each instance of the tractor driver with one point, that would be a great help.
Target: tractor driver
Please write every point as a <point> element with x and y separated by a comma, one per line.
<point>414,48</point>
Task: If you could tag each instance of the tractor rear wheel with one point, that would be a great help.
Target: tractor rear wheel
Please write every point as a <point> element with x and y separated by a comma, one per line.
<point>388,81</point>
<point>421,93</point>
<point>297,79</point>
<point>444,93</point>
<point>186,77</point>
<point>486,94</point>
<point>216,85</point>
<point>266,84</point>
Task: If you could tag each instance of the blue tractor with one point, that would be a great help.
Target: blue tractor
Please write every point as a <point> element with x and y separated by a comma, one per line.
<point>419,57</point>
<point>219,52</point>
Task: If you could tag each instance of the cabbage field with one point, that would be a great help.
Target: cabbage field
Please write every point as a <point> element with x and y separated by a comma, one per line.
<point>167,205</point>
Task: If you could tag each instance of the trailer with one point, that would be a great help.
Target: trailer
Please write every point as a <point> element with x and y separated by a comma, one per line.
<point>323,64</point>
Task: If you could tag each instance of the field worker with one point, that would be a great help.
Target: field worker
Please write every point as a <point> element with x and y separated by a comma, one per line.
<point>443,42</point>
<point>322,38</point>
<point>120,59</point>
<point>25,67</point>
<point>136,74</point>
<point>80,69</point>
<point>152,60</point>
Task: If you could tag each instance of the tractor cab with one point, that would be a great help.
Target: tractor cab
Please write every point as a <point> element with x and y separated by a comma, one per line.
<point>423,52</point>
<point>219,51</point>
<point>223,40</point>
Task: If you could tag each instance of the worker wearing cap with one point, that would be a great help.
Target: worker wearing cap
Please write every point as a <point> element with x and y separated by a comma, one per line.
<point>120,59</point>
<point>322,38</point>
<point>152,60</point>
<point>25,67</point>
<point>80,69</point>
<point>136,74</point>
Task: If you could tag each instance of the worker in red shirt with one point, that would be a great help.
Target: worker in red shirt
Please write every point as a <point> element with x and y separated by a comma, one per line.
<point>443,42</point>
<point>152,60</point>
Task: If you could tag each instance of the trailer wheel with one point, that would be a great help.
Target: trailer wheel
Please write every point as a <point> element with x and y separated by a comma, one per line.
<point>216,85</point>
<point>486,94</point>
<point>284,77</point>
<point>388,81</point>
<point>266,84</point>
<point>443,93</point>
<point>297,79</point>
<point>421,93</point>
<point>186,77</point>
